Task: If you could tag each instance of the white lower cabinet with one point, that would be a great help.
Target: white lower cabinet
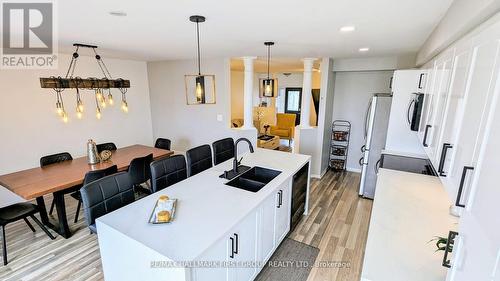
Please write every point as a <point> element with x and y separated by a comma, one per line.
<point>282,221</point>
<point>251,242</point>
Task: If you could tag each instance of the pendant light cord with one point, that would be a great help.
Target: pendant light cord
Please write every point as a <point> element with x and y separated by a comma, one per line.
<point>198,40</point>
<point>268,59</point>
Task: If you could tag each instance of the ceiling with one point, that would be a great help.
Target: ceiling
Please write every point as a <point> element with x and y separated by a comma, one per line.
<point>160,30</point>
<point>276,65</point>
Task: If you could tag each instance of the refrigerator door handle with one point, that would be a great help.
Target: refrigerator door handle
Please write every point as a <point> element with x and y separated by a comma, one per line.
<point>367,116</point>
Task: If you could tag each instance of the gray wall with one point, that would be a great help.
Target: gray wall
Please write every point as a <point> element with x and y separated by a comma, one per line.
<point>352,92</point>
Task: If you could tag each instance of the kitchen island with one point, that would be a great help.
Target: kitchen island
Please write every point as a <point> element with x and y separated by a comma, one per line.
<point>219,232</point>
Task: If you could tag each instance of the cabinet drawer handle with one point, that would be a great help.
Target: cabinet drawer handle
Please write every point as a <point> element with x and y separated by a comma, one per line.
<point>232,247</point>
<point>279,200</point>
<point>461,187</point>
<point>443,159</point>
<point>449,248</point>
<point>237,243</point>
<point>425,135</point>
<point>420,80</point>
<point>361,160</point>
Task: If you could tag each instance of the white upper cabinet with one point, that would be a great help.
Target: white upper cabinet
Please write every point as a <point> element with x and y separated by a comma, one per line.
<point>423,131</point>
<point>438,104</point>
<point>454,108</point>
<point>475,108</point>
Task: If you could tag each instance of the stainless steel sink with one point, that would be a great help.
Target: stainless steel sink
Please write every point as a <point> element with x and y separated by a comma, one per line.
<point>254,179</point>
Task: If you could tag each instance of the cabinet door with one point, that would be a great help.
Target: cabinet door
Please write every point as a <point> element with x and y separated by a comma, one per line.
<point>243,246</point>
<point>444,68</point>
<point>266,227</point>
<point>454,109</point>
<point>480,86</point>
<point>282,225</point>
<point>217,253</point>
<point>430,79</point>
<point>478,253</point>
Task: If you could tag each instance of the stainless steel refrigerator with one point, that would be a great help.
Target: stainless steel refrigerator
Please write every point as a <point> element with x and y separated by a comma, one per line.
<point>376,124</point>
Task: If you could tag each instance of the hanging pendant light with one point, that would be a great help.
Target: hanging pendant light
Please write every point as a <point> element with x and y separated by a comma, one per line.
<point>204,85</point>
<point>268,83</point>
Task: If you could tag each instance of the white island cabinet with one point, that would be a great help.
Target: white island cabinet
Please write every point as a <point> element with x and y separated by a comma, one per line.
<point>219,233</point>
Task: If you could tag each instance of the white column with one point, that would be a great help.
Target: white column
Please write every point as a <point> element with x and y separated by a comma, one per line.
<point>305,110</point>
<point>247,93</point>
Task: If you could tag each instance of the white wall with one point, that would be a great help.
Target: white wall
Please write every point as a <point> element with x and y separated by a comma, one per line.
<point>190,125</point>
<point>461,17</point>
<point>352,92</point>
<point>30,128</point>
<point>326,109</point>
<point>375,63</point>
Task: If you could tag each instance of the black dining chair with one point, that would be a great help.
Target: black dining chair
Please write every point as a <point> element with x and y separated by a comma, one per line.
<point>140,172</point>
<point>223,150</point>
<point>167,171</point>
<point>17,212</point>
<point>163,143</point>
<point>198,159</point>
<point>105,195</point>
<point>53,159</point>
<point>105,146</point>
<point>90,177</point>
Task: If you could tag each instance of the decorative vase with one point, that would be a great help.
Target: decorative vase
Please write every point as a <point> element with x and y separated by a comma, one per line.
<point>92,155</point>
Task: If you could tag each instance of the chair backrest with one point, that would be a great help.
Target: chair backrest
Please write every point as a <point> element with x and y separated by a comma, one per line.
<point>139,169</point>
<point>55,158</point>
<point>163,143</point>
<point>91,176</point>
<point>167,171</point>
<point>106,146</point>
<point>105,195</point>
<point>198,159</point>
<point>223,150</point>
<point>285,120</point>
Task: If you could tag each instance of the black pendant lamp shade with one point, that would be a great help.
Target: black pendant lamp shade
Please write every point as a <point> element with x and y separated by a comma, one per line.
<point>268,83</point>
<point>200,88</point>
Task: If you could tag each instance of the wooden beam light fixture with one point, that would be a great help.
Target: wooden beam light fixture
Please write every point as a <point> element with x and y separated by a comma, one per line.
<point>97,85</point>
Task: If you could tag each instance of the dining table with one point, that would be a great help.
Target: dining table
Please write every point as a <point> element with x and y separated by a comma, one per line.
<point>66,177</point>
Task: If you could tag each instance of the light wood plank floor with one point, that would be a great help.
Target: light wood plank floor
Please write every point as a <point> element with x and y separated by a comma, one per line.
<point>337,225</point>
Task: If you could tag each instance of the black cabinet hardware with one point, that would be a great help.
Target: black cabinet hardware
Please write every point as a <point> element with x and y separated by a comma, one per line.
<point>443,159</point>
<point>449,248</point>
<point>280,198</point>
<point>390,82</point>
<point>232,247</point>
<point>420,80</point>
<point>461,187</point>
<point>361,161</point>
<point>363,148</point>
<point>377,166</point>
<point>427,127</point>
<point>237,242</point>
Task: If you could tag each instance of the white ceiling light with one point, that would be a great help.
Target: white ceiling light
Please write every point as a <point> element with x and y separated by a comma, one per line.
<point>118,13</point>
<point>347,28</point>
<point>366,49</point>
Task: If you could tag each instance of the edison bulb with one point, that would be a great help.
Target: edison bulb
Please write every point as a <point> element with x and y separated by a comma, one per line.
<point>59,111</point>
<point>65,117</point>
<point>79,115</point>
<point>80,107</point>
<point>199,92</point>
<point>124,106</point>
<point>103,104</point>
<point>268,89</point>
<point>98,113</point>
<point>110,99</point>
<point>98,94</point>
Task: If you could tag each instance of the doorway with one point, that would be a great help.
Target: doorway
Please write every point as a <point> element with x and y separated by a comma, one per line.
<point>293,99</point>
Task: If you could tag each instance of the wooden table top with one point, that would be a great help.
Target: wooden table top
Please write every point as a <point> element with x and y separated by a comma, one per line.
<point>37,182</point>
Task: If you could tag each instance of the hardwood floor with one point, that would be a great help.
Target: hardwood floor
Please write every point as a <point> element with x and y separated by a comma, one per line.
<point>337,224</point>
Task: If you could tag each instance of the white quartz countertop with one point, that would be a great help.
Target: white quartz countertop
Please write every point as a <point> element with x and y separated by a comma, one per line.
<point>408,210</point>
<point>206,208</point>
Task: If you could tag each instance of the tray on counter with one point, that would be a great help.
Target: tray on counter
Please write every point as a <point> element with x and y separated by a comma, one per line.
<point>170,206</point>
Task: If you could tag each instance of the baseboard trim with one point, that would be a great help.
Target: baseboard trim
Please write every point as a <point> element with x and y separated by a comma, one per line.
<point>354,170</point>
<point>316,176</point>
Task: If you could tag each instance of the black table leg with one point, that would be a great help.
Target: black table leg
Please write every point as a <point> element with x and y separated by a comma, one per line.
<point>61,227</point>
<point>61,215</point>
<point>43,211</point>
